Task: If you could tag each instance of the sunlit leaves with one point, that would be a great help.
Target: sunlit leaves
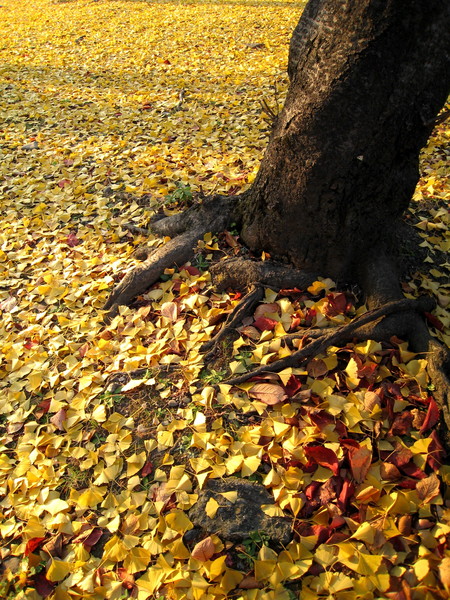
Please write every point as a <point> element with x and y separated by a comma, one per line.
<point>92,491</point>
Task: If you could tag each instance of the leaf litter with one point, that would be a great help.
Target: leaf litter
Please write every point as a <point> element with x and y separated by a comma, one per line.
<point>110,432</point>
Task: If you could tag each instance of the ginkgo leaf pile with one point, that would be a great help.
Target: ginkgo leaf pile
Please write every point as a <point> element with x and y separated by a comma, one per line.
<point>111,431</point>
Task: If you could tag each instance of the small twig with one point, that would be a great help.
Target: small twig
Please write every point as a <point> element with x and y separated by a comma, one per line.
<point>270,112</point>
<point>181,100</point>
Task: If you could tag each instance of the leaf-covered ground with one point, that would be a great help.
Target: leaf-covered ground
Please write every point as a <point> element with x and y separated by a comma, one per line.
<point>109,111</point>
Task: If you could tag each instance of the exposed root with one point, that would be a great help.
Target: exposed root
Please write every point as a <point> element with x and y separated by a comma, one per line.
<point>357,329</point>
<point>243,309</point>
<point>188,228</point>
<point>241,273</point>
<point>177,251</point>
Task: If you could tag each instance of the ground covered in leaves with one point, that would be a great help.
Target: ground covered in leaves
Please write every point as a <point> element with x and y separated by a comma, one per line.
<point>111,112</point>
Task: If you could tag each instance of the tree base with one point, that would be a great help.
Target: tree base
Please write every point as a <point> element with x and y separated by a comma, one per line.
<point>389,315</point>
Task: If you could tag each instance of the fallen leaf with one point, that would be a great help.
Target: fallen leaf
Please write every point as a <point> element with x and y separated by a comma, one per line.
<point>268,393</point>
<point>204,550</point>
<point>428,488</point>
<point>360,461</point>
<point>432,416</point>
<point>324,457</point>
<point>265,324</point>
<point>170,310</point>
<point>59,419</point>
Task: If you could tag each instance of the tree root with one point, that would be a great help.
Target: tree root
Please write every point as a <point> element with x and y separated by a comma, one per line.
<point>243,309</point>
<point>187,228</point>
<point>356,330</point>
<point>241,273</point>
<point>390,314</point>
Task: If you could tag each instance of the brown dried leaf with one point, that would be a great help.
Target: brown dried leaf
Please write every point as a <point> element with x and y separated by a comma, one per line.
<point>268,393</point>
<point>54,546</point>
<point>389,472</point>
<point>371,400</point>
<point>58,419</point>
<point>444,572</point>
<point>317,367</point>
<point>428,488</point>
<point>204,549</point>
<point>360,462</point>
<point>170,311</point>
<point>249,583</point>
<point>250,332</point>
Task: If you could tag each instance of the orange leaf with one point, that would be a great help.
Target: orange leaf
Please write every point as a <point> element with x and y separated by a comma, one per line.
<point>360,462</point>
<point>204,550</point>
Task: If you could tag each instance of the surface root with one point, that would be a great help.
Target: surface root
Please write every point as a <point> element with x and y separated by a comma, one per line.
<point>356,330</point>
<point>186,229</point>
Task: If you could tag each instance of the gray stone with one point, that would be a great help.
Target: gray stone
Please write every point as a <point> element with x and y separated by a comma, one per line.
<point>234,522</point>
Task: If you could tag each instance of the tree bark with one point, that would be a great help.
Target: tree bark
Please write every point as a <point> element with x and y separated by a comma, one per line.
<point>367,79</point>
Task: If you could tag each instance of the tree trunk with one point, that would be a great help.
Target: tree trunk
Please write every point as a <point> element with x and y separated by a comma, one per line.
<point>367,78</point>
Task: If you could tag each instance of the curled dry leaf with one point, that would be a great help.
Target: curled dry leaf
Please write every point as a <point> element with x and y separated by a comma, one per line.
<point>268,393</point>
<point>371,400</point>
<point>204,549</point>
<point>404,524</point>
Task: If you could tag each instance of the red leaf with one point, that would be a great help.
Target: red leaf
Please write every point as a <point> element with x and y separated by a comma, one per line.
<point>293,386</point>
<point>43,586</point>
<point>147,468</point>
<point>434,321</point>
<point>324,420</point>
<point>412,470</point>
<point>265,324</point>
<point>337,304</point>
<point>309,317</point>
<point>63,182</point>
<point>432,416</point>
<point>436,452</point>
<point>42,408</point>
<point>72,240</point>
<point>126,578</point>
<point>349,444</point>
<point>402,423</point>
<point>191,270</point>
<point>347,491</point>
<point>324,457</point>
<point>312,489</point>
<point>92,538</point>
<point>400,457</point>
<point>266,309</point>
<point>33,544</point>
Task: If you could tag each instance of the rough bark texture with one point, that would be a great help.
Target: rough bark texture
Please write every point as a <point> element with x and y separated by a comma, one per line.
<point>367,80</point>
